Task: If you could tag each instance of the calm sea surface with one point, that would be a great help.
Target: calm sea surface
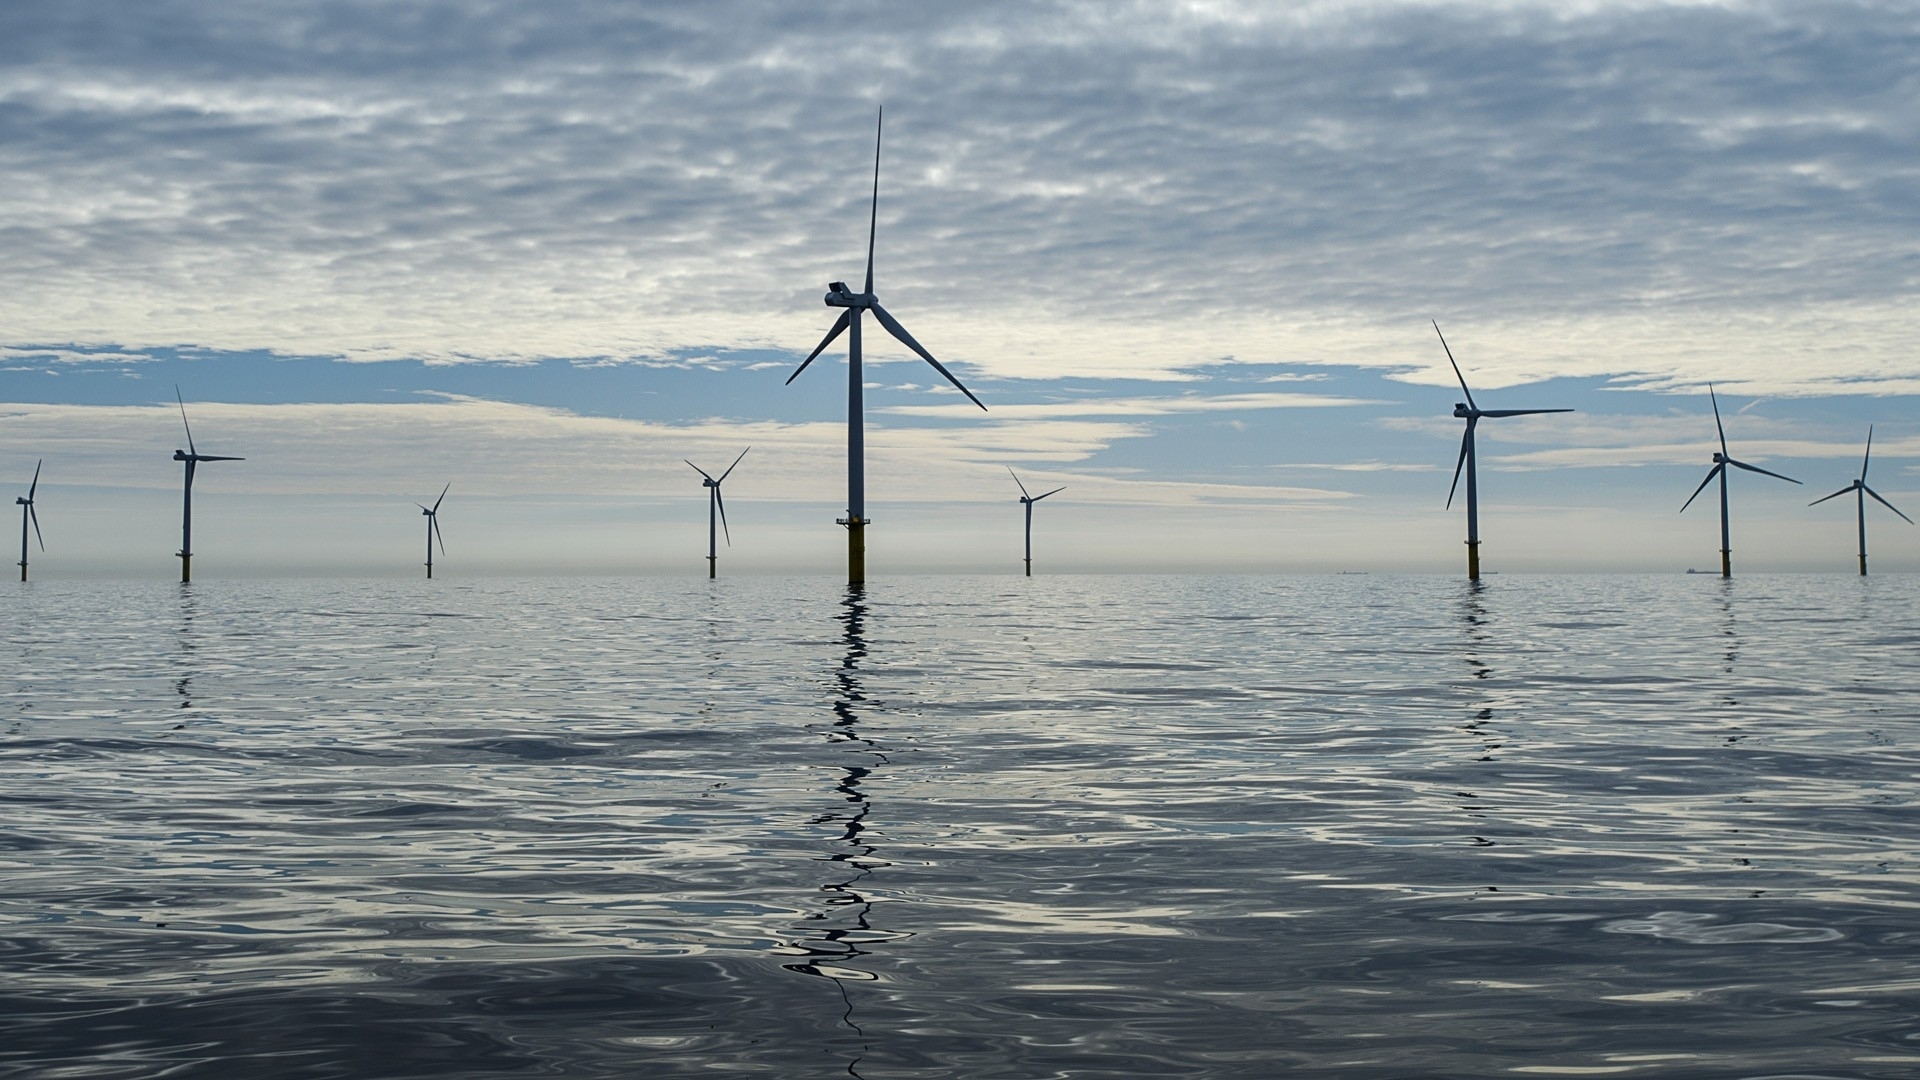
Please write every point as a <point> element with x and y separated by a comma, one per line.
<point>1345,826</point>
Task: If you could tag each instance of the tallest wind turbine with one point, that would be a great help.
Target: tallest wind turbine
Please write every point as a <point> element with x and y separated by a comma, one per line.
<point>1470,412</point>
<point>838,295</point>
<point>192,457</point>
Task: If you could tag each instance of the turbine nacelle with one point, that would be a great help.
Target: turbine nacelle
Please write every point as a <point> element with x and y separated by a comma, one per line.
<point>1720,458</point>
<point>1461,410</point>
<point>838,295</point>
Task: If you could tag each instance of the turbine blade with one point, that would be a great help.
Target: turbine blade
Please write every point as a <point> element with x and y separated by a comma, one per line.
<point>35,486</point>
<point>1055,491</point>
<point>1868,490</point>
<point>1465,441</point>
<point>1519,412</point>
<point>183,419</point>
<point>698,469</point>
<point>873,219</point>
<point>217,457</point>
<point>443,495</point>
<point>1711,473</point>
<point>721,502</point>
<point>34,517</point>
<point>1761,471</point>
<point>1016,479</point>
<point>900,332</point>
<point>1835,495</point>
<point>839,327</point>
<point>423,508</point>
<point>729,471</point>
<point>1717,425</point>
<point>1869,457</point>
<point>1456,370</point>
<point>433,522</point>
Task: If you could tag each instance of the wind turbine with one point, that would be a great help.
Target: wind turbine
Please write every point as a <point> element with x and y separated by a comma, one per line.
<point>716,504</point>
<point>1721,460</point>
<point>27,513</point>
<point>1027,501</point>
<point>838,295</point>
<point>1858,487</point>
<point>1471,413</point>
<point>192,457</point>
<point>433,528</point>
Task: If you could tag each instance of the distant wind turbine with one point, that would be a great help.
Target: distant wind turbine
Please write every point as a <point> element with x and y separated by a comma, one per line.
<point>1471,413</point>
<point>192,457</point>
<point>433,527</point>
<point>838,295</point>
<point>1721,460</point>
<point>1027,501</point>
<point>27,514</point>
<point>1858,487</point>
<point>716,504</point>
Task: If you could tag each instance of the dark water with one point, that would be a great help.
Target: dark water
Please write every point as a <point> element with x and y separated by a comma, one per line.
<point>962,827</point>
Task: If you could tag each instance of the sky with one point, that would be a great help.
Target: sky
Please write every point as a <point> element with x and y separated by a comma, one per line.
<point>1188,254</point>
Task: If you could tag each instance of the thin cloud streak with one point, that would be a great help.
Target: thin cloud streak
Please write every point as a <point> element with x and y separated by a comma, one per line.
<point>500,448</point>
<point>1138,406</point>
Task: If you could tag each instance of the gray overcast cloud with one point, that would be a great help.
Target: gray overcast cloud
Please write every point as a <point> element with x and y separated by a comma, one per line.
<point>1660,191</point>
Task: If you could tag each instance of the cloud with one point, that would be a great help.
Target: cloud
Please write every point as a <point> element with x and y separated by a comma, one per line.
<point>1359,466</point>
<point>1666,193</point>
<point>73,356</point>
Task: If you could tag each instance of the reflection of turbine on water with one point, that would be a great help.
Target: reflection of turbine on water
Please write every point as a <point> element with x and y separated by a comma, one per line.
<point>834,952</point>
<point>1729,629</point>
<point>1473,614</point>
<point>189,608</point>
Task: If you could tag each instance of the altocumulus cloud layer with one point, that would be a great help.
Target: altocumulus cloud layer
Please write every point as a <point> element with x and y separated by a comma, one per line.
<point>1657,192</point>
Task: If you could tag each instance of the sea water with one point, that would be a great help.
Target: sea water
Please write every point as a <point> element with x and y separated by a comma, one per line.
<point>1091,826</point>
